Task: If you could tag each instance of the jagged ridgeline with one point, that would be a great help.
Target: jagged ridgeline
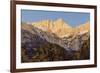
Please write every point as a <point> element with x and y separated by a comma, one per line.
<point>40,42</point>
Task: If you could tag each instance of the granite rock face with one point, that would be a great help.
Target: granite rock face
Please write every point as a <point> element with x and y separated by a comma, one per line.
<point>61,28</point>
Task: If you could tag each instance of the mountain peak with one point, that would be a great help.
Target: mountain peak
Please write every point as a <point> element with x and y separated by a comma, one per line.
<point>59,20</point>
<point>60,28</point>
<point>84,27</point>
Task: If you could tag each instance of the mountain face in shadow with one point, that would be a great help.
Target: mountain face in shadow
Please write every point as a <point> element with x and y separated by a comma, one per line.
<point>38,45</point>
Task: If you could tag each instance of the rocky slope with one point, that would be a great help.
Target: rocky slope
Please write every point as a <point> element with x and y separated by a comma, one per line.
<point>39,45</point>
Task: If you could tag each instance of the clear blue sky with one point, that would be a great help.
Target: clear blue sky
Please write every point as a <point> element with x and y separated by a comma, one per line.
<point>72,18</point>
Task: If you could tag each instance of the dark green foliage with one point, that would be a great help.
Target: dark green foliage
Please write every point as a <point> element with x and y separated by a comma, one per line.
<point>85,49</point>
<point>46,52</point>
